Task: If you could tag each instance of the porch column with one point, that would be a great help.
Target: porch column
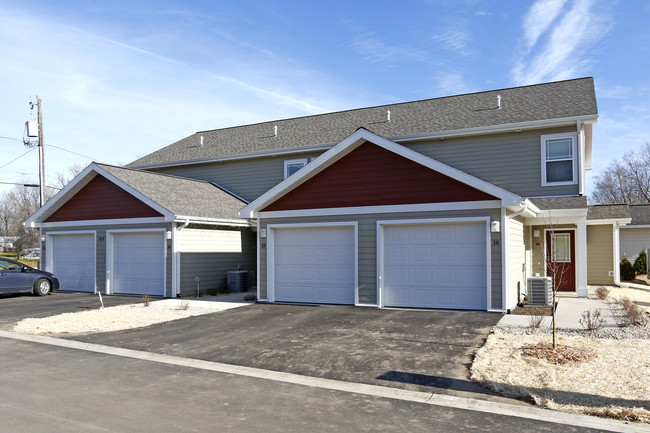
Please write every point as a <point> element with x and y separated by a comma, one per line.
<point>581,265</point>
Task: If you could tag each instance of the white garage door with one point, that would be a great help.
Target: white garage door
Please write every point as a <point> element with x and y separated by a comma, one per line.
<point>314,264</point>
<point>138,263</point>
<point>72,260</point>
<point>435,266</point>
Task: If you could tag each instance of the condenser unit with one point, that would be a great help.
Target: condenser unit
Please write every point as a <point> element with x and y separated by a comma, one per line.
<point>540,291</point>
<point>238,281</point>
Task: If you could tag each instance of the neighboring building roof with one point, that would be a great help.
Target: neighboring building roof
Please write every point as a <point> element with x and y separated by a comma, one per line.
<point>640,214</point>
<point>608,211</point>
<point>558,100</point>
<point>182,196</point>
<point>550,203</point>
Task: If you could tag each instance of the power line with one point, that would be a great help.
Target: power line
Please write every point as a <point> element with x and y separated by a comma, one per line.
<point>69,151</point>
<point>10,138</point>
<point>3,166</point>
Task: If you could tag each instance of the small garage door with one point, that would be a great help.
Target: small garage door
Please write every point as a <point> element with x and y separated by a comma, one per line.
<point>138,263</point>
<point>72,260</point>
<point>314,264</point>
<point>435,266</point>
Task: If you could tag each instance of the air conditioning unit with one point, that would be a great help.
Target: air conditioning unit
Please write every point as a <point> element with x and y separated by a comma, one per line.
<point>540,291</point>
<point>238,281</point>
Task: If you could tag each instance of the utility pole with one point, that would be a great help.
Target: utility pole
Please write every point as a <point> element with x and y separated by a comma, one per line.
<point>41,152</point>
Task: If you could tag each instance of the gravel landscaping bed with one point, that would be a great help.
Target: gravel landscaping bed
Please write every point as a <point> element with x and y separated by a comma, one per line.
<point>111,319</point>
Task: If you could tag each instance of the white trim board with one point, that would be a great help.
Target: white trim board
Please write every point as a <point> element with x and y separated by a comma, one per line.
<point>361,210</point>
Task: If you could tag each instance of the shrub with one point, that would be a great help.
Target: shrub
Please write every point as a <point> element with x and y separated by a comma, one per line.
<point>592,320</point>
<point>250,298</point>
<point>641,263</point>
<point>146,300</point>
<point>602,292</point>
<point>535,321</point>
<point>632,313</point>
<point>627,270</point>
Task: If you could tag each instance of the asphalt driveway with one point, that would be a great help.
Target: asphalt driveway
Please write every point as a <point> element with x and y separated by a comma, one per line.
<point>418,350</point>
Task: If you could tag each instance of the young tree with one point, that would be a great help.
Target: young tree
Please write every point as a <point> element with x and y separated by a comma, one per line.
<point>626,181</point>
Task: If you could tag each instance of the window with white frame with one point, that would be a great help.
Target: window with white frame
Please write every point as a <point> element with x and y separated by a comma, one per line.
<point>559,166</point>
<point>293,165</point>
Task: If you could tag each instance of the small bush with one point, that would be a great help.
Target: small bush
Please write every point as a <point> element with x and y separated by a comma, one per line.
<point>250,298</point>
<point>535,321</point>
<point>592,320</point>
<point>146,300</point>
<point>627,270</point>
<point>633,314</point>
<point>602,292</point>
<point>183,305</point>
<point>641,263</point>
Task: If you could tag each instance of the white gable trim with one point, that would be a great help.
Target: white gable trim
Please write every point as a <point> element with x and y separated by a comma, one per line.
<point>81,180</point>
<point>352,142</point>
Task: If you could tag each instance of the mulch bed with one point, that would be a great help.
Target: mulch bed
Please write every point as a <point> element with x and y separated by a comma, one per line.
<point>527,310</point>
<point>560,355</point>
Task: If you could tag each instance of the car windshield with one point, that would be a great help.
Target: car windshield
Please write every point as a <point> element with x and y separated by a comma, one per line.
<point>9,266</point>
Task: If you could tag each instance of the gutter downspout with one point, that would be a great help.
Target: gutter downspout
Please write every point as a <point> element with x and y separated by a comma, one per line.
<point>185,224</point>
<point>524,208</point>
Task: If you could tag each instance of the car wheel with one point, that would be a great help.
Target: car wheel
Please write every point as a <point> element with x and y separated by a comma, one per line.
<point>42,287</point>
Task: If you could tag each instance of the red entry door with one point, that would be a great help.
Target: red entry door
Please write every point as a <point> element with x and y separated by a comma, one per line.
<point>560,259</point>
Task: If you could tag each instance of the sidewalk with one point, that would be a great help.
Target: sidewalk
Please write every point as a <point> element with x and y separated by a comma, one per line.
<point>568,314</point>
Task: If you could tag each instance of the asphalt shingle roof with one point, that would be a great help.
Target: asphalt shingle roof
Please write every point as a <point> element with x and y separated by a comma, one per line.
<point>608,211</point>
<point>557,100</point>
<point>640,214</point>
<point>548,203</point>
<point>181,196</point>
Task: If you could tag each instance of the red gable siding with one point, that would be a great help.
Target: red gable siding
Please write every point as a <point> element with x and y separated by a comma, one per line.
<point>370,176</point>
<point>102,199</point>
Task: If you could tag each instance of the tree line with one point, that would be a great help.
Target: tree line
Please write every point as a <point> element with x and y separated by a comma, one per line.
<point>626,181</point>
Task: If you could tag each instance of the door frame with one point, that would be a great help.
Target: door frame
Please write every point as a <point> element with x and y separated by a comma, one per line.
<point>270,249</point>
<point>110,251</point>
<point>574,254</point>
<point>380,248</point>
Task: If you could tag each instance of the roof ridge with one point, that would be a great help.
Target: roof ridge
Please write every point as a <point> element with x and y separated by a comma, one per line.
<point>391,105</point>
<point>149,172</point>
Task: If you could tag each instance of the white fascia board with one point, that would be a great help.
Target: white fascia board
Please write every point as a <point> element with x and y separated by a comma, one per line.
<point>213,221</point>
<point>104,222</point>
<point>495,129</point>
<point>353,141</point>
<point>551,213</point>
<point>400,208</point>
<point>640,226</point>
<point>619,221</point>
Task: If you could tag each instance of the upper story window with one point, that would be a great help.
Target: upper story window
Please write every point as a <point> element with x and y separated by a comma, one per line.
<point>559,159</point>
<point>293,165</point>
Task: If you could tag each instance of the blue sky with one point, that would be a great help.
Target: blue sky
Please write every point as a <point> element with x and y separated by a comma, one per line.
<point>121,79</point>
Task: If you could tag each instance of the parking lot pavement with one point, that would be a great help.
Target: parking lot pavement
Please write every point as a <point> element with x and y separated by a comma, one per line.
<point>17,307</point>
<point>417,350</point>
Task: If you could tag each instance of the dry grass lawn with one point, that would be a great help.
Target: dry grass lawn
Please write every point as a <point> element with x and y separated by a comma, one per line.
<point>612,383</point>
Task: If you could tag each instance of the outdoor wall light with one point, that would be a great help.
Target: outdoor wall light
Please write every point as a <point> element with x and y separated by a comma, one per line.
<point>168,235</point>
<point>536,233</point>
<point>495,226</point>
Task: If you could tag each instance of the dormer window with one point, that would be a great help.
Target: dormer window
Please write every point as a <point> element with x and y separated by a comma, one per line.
<point>559,159</point>
<point>293,165</point>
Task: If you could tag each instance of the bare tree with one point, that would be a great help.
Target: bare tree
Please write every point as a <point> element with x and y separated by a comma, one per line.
<point>63,178</point>
<point>626,181</point>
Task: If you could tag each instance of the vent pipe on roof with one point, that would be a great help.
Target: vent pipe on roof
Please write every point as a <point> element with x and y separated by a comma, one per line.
<point>201,142</point>
<point>275,131</point>
<point>387,116</point>
<point>498,102</point>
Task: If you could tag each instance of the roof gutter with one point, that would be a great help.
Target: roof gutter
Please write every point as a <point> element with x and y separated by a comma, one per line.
<point>212,221</point>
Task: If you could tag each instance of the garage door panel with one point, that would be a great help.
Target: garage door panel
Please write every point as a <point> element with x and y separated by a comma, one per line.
<point>440,265</point>
<point>138,263</point>
<point>73,261</point>
<point>314,264</point>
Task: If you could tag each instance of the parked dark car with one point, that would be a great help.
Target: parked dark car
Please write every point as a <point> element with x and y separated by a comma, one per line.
<point>17,277</point>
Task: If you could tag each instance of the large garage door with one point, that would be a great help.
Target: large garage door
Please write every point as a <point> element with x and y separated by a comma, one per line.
<point>72,260</point>
<point>435,266</point>
<point>138,263</point>
<point>314,265</point>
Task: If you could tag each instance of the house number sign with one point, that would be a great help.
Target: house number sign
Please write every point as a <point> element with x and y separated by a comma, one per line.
<point>496,242</point>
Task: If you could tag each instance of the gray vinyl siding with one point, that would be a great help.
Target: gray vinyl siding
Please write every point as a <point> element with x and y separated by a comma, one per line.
<point>633,241</point>
<point>511,161</point>
<point>248,178</point>
<point>367,252</point>
<point>100,250</point>
<point>212,268</point>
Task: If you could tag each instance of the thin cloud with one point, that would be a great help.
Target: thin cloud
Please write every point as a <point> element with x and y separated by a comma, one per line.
<point>562,55</point>
<point>539,18</point>
<point>454,39</point>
